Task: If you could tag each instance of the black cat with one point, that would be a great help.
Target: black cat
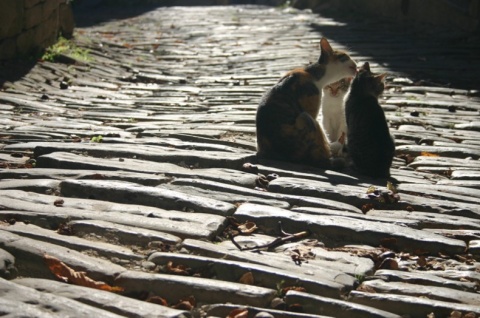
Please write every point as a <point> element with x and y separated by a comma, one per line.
<point>370,145</point>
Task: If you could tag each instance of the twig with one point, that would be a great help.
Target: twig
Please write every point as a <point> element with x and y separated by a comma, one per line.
<point>286,237</point>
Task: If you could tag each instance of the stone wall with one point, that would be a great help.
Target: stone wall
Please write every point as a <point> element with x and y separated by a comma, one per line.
<point>28,26</point>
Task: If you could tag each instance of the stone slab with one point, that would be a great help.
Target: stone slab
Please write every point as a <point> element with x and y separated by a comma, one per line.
<point>292,200</point>
<point>29,258</point>
<point>335,230</point>
<point>131,193</point>
<point>223,310</point>
<point>21,301</point>
<point>318,305</point>
<point>424,278</point>
<point>92,247</point>
<point>102,300</point>
<point>415,307</point>
<point>427,220</point>
<point>429,292</point>
<point>65,160</point>
<point>204,290</point>
<point>329,270</point>
<point>154,153</point>
<point>264,276</point>
<point>34,208</point>
<point>121,234</point>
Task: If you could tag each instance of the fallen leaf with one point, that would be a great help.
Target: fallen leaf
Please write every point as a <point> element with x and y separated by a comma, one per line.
<point>367,207</point>
<point>389,242</point>
<point>177,270</point>
<point>421,261</point>
<point>157,300</point>
<point>247,279</point>
<point>428,154</point>
<point>388,263</point>
<point>247,228</point>
<point>366,288</point>
<point>69,275</point>
<point>58,202</point>
<point>285,290</point>
<point>238,313</point>
<point>186,304</point>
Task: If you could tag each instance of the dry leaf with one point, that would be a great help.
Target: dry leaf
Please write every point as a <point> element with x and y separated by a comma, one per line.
<point>247,228</point>
<point>238,313</point>
<point>367,207</point>
<point>366,288</point>
<point>58,202</point>
<point>68,275</point>
<point>428,154</point>
<point>389,242</point>
<point>157,300</point>
<point>421,261</point>
<point>388,263</point>
<point>186,304</point>
<point>247,279</point>
<point>177,270</point>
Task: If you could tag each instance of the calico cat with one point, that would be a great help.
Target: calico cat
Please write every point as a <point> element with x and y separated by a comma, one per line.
<point>333,114</point>
<point>370,145</point>
<point>286,123</point>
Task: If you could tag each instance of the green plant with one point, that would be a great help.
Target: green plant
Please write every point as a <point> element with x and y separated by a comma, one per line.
<point>65,47</point>
<point>360,278</point>
<point>98,138</point>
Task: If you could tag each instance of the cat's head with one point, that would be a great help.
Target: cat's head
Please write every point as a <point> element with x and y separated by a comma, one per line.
<point>368,82</point>
<point>340,88</point>
<point>338,64</point>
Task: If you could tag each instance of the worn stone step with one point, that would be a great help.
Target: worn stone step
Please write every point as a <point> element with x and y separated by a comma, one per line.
<point>100,299</point>
<point>29,258</point>
<point>356,195</point>
<point>331,267</point>
<point>91,247</point>
<point>415,307</point>
<point>131,193</point>
<point>263,276</point>
<point>429,292</point>
<point>412,223</point>
<point>38,185</point>
<point>157,170</point>
<point>318,305</point>
<point>424,278</point>
<point>453,152</point>
<point>146,152</point>
<point>121,234</point>
<point>147,179</point>
<point>223,310</point>
<point>40,210</point>
<point>21,301</point>
<point>334,229</point>
<point>173,288</point>
<point>427,220</point>
<point>293,200</point>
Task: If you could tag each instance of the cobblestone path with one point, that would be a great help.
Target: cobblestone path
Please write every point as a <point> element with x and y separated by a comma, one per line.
<point>132,166</point>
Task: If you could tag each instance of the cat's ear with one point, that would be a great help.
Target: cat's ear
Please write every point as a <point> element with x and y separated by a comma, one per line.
<point>325,51</point>
<point>366,66</point>
<point>381,77</point>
